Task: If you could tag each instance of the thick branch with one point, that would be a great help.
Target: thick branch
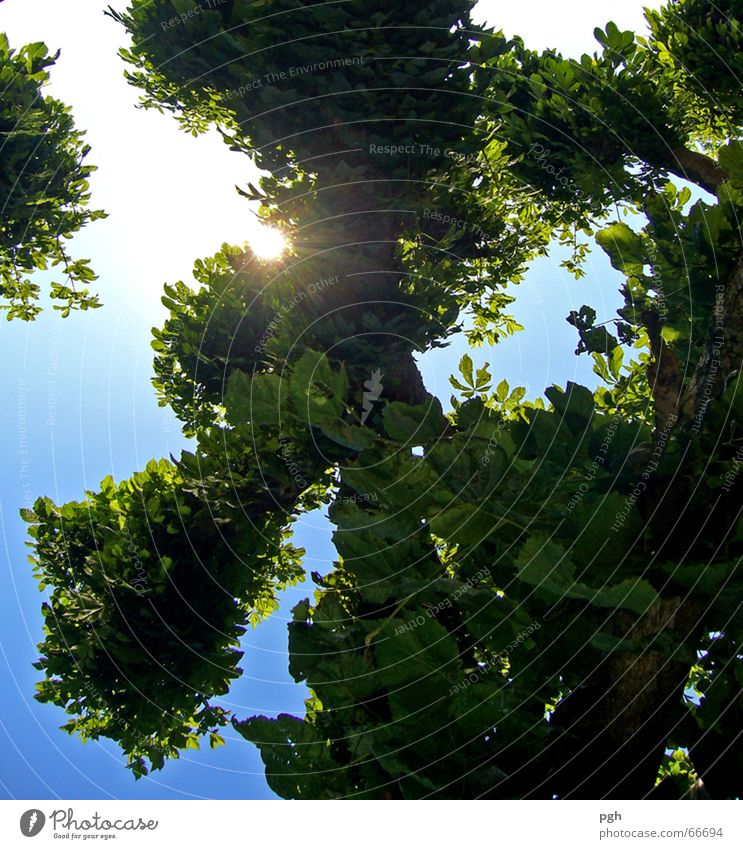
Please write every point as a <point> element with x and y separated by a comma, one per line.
<point>697,168</point>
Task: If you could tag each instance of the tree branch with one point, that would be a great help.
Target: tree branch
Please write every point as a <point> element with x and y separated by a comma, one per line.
<point>697,168</point>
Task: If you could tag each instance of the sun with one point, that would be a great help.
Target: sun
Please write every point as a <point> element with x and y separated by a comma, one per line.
<point>267,243</point>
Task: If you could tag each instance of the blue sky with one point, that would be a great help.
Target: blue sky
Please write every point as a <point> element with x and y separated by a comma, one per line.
<point>76,402</point>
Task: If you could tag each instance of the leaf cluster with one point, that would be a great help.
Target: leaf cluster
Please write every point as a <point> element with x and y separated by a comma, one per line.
<point>43,187</point>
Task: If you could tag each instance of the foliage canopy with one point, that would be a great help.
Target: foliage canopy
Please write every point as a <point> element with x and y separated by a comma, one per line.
<point>530,599</point>
<point>43,188</point>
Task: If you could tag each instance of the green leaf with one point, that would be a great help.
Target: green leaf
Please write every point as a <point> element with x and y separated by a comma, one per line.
<point>419,425</point>
<point>317,390</point>
<point>575,401</point>
<point>616,358</point>
<point>465,369</point>
<point>547,567</point>
<point>350,436</point>
<point>731,160</point>
<point>625,248</point>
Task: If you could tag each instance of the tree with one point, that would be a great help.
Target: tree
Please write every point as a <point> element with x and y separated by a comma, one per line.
<point>530,600</point>
<point>43,188</point>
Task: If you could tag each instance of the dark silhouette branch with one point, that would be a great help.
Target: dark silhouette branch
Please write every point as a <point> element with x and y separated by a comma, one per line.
<point>697,168</point>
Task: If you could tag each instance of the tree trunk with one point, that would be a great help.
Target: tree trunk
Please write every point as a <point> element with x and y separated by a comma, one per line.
<point>722,356</point>
<point>613,729</point>
<point>665,375</point>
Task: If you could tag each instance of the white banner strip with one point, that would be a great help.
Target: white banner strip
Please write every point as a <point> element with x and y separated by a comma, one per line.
<point>363,825</point>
